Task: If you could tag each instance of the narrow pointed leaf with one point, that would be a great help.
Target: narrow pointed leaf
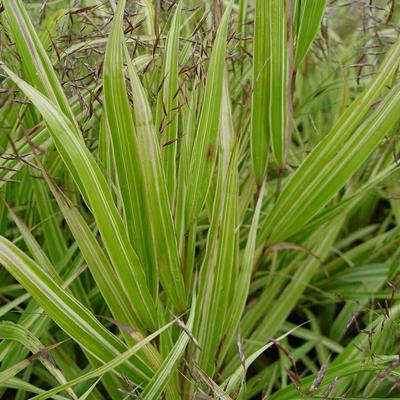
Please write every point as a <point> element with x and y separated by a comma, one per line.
<point>204,153</point>
<point>86,173</point>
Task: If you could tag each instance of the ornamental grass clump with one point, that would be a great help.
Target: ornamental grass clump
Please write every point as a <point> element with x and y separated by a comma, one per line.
<point>199,200</point>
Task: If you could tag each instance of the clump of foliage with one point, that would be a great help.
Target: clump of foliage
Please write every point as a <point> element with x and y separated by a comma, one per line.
<point>199,199</point>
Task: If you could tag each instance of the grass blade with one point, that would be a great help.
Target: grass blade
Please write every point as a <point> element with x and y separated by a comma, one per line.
<point>310,14</point>
<point>86,173</point>
<point>130,180</point>
<point>168,96</point>
<point>66,311</point>
<point>270,81</point>
<point>204,152</point>
<point>36,63</point>
<point>290,202</point>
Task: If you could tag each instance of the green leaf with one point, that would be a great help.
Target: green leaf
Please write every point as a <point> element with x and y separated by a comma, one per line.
<point>86,173</point>
<point>157,384</point>
<point>337,157</point>
<point>270,85</point>
<point>219,267</point>
<point>160,209</point>
<point>169,97</point>
<point>107,367</point>
<point>205,144</point>
<point>310,13</point>
<point>126,156</point>
<point>35,61</point>
<point>11,331</point>
<point>66,311</point>
<point>54,240</point>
